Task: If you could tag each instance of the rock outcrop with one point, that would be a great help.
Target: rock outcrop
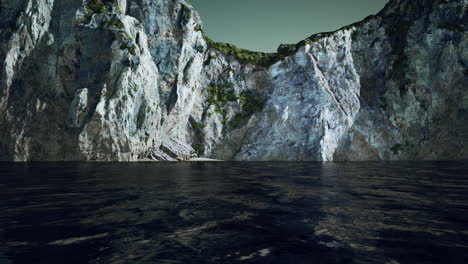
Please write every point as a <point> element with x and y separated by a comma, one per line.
<point>125,80</point>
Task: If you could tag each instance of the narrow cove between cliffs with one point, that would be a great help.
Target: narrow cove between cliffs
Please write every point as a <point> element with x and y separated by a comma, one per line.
<point>234,212</point>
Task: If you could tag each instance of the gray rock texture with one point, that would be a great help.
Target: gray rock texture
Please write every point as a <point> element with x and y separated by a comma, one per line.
<point>127,80</point>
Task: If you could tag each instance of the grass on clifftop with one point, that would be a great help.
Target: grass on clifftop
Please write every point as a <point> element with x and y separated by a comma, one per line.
<point>267,59</point>
<point>242,55</point>
<point>285,50</point>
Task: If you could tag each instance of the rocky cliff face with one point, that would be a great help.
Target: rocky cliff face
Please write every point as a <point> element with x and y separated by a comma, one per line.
<point>136,79</point>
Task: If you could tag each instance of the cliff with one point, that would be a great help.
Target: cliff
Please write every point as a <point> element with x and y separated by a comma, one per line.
<point>124,80</point>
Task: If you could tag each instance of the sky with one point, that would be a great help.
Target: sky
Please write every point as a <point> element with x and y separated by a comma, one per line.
<point>261,25</point>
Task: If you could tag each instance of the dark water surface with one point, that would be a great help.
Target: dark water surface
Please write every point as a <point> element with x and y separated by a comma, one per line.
<point>403,212</point>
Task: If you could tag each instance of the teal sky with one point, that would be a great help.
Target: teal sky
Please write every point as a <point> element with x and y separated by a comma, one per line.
<point>262,25</point>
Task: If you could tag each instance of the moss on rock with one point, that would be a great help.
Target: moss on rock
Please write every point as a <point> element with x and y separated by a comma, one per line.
<point>186,12</point>
<point>199,149</point>
<point>96,7</point>
<point>219,95</point>
<point>249,105</point>
<point>115,22</point>
<point>198,28</point>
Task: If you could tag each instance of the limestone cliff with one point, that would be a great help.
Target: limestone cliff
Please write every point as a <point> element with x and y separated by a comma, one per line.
<point>135,79</point>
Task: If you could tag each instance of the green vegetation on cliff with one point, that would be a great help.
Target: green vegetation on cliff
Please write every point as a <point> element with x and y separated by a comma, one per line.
<point>250,104</point>
<point>242,55</point>
<point>112,21</point>
<point>263,59</point>
<point>219,95</point>
<point>96,7</point>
